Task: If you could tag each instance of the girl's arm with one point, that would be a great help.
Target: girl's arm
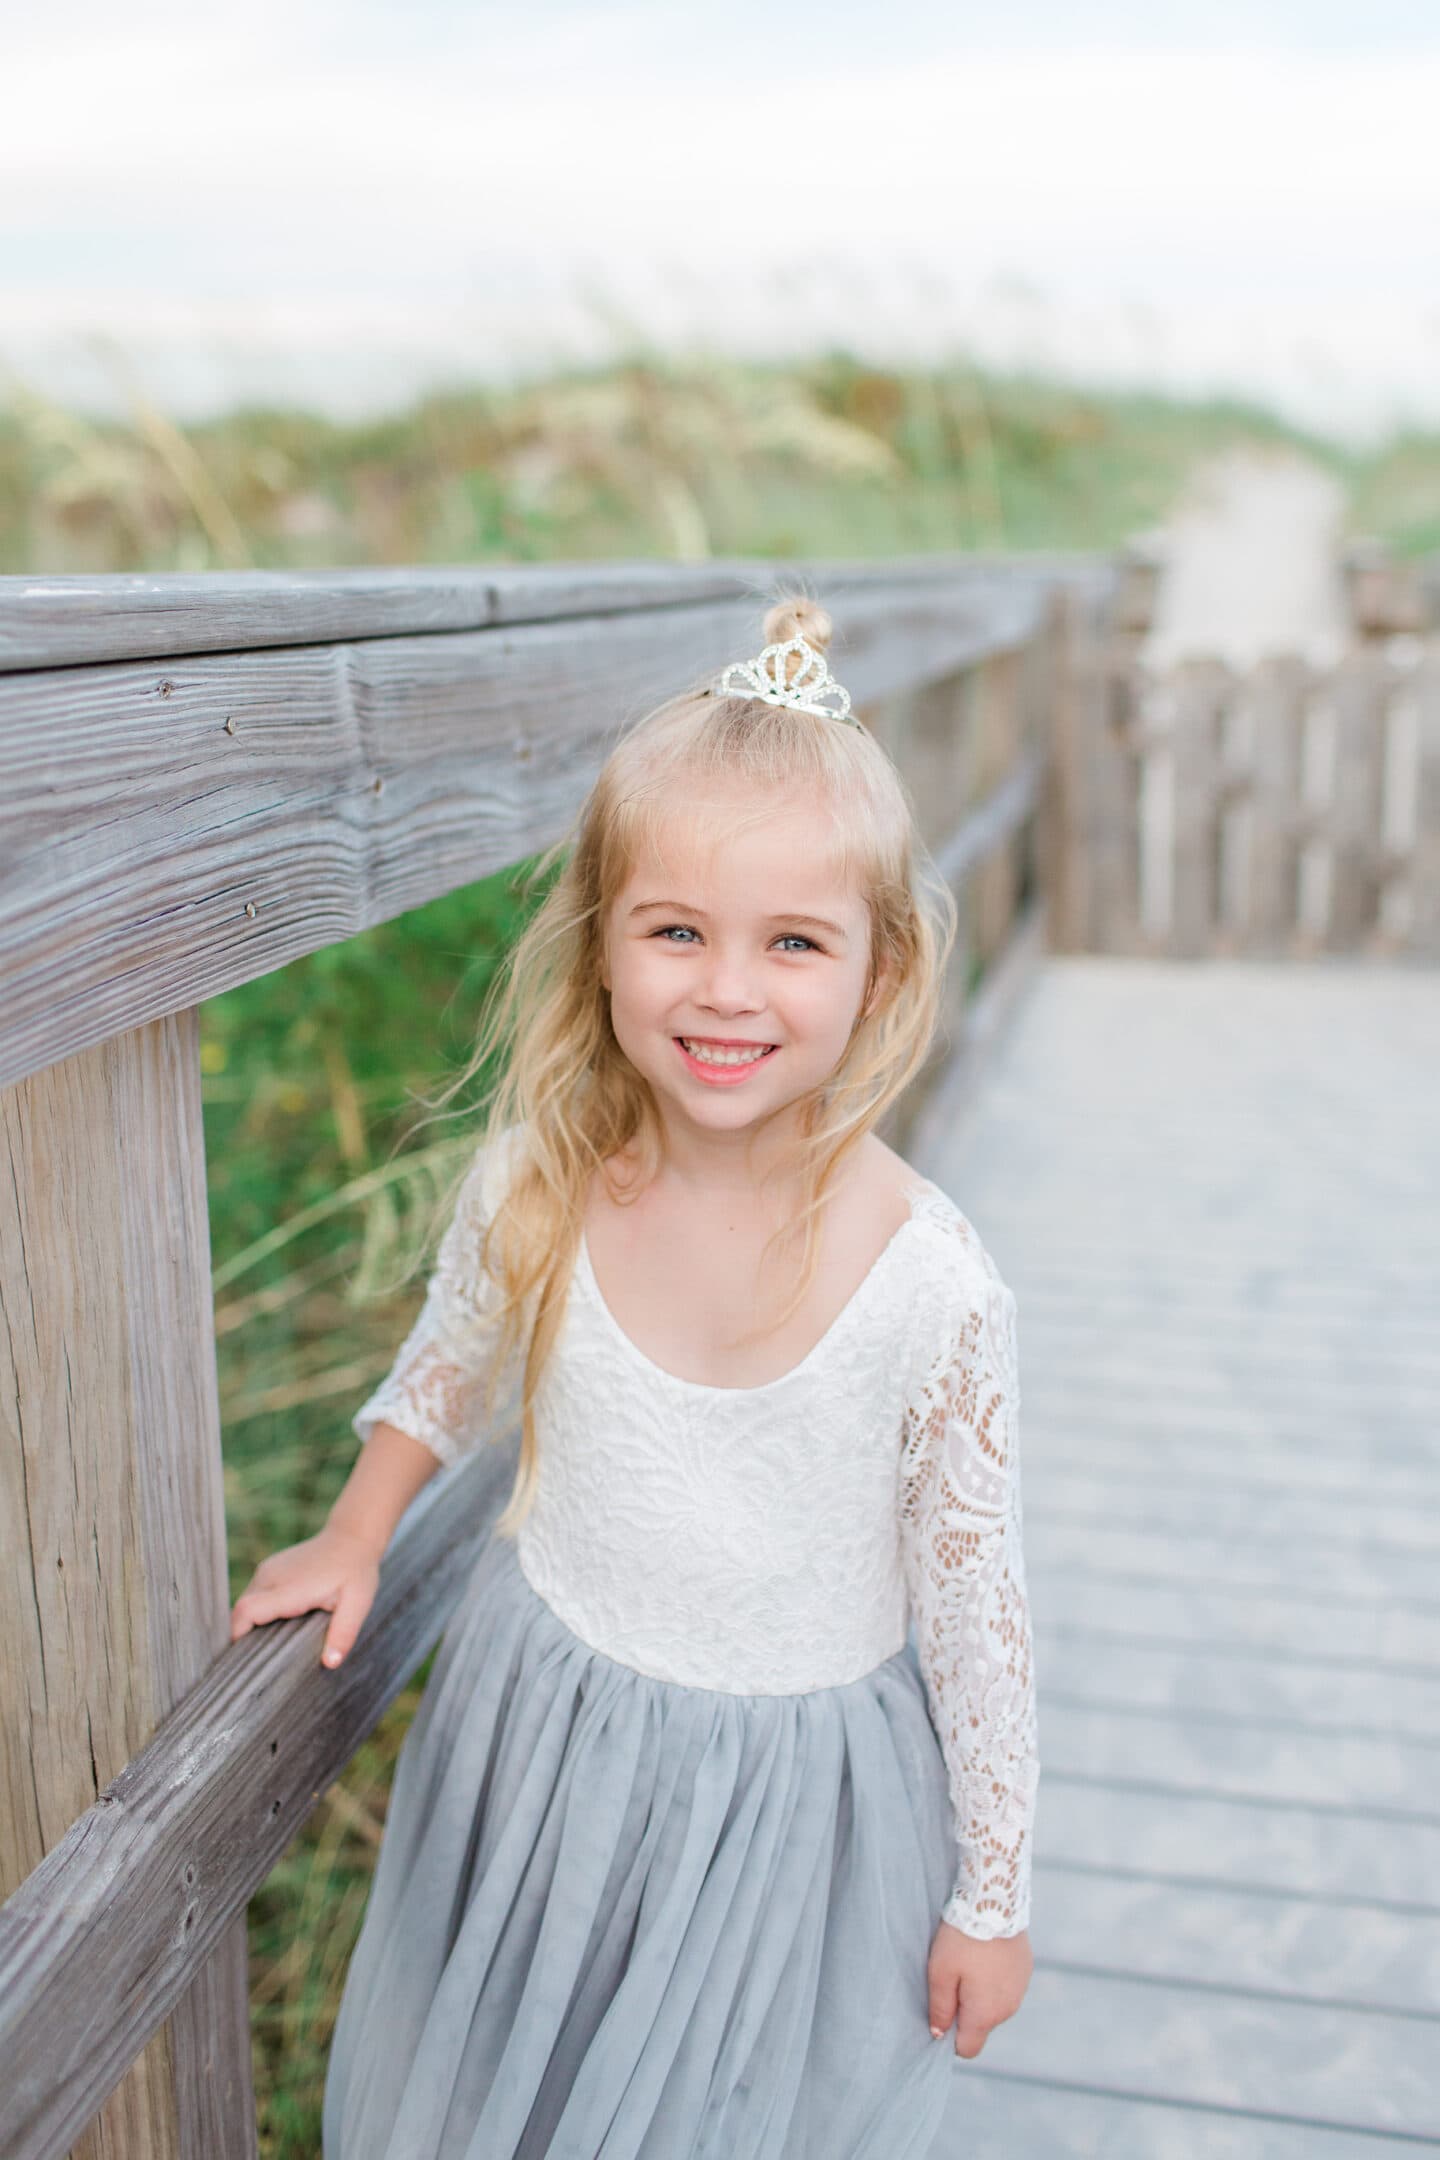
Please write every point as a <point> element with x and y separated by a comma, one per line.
<point>961,1523</point>
<point>428,1410</point>
<point>338,1570</point>
<point>389,1470</point>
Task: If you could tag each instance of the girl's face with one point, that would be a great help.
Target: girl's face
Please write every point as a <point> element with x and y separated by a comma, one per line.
<point>736,971</point>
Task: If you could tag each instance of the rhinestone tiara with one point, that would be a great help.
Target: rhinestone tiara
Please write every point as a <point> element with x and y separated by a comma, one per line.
<point>812,689</point>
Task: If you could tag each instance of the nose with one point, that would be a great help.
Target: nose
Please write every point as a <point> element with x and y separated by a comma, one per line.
<point>728,984</point>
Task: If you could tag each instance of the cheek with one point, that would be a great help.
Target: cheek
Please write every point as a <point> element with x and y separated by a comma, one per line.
<point>821,1006</point>
<point>639,983</point>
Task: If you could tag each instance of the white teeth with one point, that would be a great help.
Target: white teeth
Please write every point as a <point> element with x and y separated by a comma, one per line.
<point>708,1054</point>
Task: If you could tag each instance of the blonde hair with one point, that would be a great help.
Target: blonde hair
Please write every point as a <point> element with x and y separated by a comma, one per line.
<point>546,1020</point>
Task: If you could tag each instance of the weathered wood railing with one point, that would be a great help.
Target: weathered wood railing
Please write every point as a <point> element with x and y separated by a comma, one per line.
<point>202,779</point>
<point>1282,809</point>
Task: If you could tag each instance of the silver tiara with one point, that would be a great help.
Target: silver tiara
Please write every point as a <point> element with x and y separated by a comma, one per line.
<point>812,689</point>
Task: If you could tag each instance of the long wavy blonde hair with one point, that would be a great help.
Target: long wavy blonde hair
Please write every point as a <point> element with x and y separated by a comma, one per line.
<point>546,1021</point>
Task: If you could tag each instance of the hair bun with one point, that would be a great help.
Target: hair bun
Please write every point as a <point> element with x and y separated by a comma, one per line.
<point>797,617</point>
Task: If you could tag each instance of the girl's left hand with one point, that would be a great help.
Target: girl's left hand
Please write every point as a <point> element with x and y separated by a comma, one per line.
<point>974,1985</point>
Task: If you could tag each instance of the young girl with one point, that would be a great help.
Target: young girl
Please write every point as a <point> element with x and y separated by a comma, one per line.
<point>692,1850</point>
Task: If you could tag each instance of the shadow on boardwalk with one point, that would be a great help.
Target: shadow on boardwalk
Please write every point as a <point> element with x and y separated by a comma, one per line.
<point>1215,1190</point>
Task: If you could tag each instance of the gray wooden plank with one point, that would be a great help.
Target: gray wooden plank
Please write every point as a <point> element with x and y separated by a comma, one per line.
<point>1225,2047</point>
<point>1277,1764</point>
<point>1353,1352</point>
<point>1150,1605</point>
<point>1287,1947</point>
<point>1240,1433</point>
<point>1138,1461</point>
<point>1082,1492</point>
<point>1144,1374</point>
<point>1278,1566</point>
<point>1313,1695</point>
<point>64,621</point>
<point>1134,1828</point>
<point>1020,2117</point>
<point>169,832</point>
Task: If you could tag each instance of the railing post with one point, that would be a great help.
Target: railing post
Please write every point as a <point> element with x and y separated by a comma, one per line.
<point>113,1592</point>
<point>1423,911</point>
<point>996,748</point>
<point>1064,859</point>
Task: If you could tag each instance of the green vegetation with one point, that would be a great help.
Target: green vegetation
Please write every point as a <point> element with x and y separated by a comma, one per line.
<point>681,459</point>
<point>314,1076</point>
<point>311,1077</point>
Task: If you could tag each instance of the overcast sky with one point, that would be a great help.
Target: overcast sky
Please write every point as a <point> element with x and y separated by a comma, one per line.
<point>340,203</point>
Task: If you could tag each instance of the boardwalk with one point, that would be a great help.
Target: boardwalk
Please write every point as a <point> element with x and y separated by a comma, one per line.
<point>1252,556</point>
<point>1215,1189</point>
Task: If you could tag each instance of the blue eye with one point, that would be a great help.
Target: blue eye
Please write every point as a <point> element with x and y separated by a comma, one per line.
<point>786,937</point>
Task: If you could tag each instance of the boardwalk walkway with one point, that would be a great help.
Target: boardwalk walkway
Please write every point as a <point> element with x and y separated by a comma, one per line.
<point>1215,1189</point>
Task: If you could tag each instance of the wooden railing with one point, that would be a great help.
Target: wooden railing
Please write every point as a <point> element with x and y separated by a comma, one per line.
<point>202,779</point>
<point>1282,810</point>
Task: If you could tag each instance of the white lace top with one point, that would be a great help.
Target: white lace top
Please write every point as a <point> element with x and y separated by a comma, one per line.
<point>775,1539</point>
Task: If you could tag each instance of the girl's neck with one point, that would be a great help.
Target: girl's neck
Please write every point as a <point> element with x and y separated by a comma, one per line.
<point>725,1165</point>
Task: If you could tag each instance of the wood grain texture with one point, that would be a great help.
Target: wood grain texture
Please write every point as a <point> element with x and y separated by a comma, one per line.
<point>1282,810</point>
<point>114,1596</point>
<point>1230,1389</point>
<point>1067,2119</point>
<point>167,833</point>
<point>1425,896</point>
<point>66,621</point>
<point>102,1940</point>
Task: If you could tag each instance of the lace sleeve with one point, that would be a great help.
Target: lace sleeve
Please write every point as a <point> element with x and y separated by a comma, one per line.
<point>435,1389</point>
<point>960,1521</point>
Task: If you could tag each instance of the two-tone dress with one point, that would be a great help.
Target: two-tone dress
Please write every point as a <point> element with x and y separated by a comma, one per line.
<point>708,1749</point>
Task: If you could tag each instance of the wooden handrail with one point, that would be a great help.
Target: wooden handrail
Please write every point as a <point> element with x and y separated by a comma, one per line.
<point>169,831</point>
<point>144,1885</point>
<point>202,779</point>
<point>67,621</point>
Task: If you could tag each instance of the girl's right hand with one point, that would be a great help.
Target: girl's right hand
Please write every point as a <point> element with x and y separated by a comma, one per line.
<point>331,1572</point>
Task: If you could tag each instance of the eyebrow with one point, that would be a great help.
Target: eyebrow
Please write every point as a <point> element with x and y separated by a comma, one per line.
<point>686,907</point>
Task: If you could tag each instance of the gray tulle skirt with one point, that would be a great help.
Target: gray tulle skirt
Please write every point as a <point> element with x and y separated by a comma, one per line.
<point>617,1918</point>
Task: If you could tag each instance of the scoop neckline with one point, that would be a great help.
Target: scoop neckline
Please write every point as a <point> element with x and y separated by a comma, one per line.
<point>914,1195</point>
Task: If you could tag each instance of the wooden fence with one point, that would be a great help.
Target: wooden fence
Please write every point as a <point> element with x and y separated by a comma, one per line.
<point>201,780</point>
<point>1282,810</point>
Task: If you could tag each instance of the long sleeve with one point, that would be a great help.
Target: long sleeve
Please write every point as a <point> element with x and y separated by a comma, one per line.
<point>960,1521</point>
<point>435,1389</point>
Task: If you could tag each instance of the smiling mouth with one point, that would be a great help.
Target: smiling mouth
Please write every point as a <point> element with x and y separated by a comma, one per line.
<point>724,1054</point>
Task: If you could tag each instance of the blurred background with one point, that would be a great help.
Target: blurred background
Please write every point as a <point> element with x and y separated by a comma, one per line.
<point>313,285</point>
<point>322,284</point>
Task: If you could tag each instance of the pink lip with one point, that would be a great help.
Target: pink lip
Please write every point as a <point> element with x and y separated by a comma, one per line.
<point>719,1075</point>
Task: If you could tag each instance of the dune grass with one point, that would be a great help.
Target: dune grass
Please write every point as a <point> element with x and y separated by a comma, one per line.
<point>682,459</point>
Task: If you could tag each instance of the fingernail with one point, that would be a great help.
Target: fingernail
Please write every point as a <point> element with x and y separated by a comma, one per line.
<point>935,2032</point>
<point>332,1657</point>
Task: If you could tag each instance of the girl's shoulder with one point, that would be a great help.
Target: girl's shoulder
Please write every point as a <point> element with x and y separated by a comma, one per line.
<point>498,1155</point>
<point>482,1187</point>
<point>953,1259</point>
<point>488,1171</point>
